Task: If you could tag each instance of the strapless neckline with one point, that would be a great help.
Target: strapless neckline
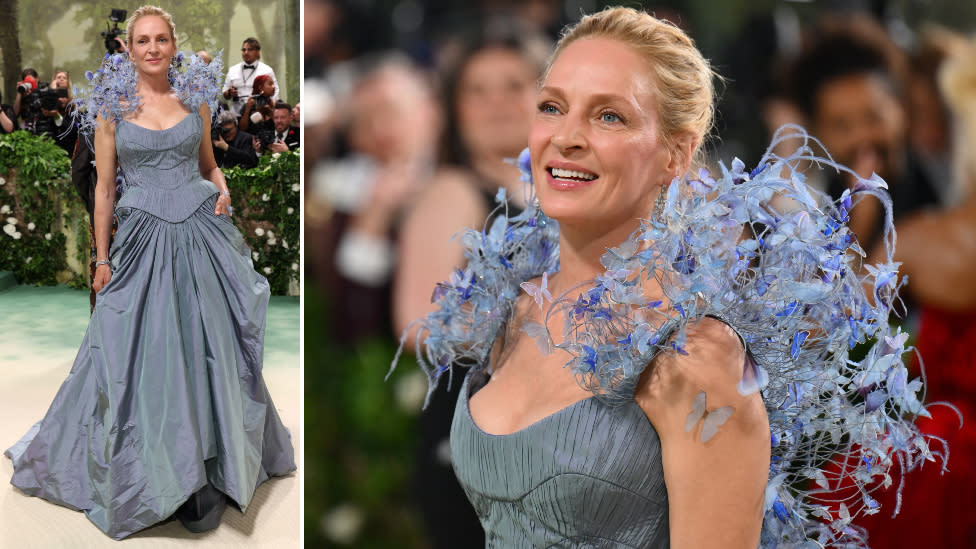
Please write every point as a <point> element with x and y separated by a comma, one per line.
<point>184,119</point>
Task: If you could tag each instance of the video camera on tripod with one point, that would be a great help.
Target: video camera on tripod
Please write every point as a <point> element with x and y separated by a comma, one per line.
<point>112,31</point>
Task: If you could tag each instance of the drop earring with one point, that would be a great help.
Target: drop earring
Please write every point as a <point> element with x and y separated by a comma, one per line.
<point>660,202</point>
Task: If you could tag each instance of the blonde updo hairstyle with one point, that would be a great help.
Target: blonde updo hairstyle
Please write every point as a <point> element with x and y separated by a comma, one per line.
<point>144,11</point>
<point>683,78</point>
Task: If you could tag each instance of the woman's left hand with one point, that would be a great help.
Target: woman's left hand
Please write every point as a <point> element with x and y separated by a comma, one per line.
<point>223,205</point>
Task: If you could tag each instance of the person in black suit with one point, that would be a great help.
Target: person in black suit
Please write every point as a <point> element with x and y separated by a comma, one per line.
<point>233,147</point>
<point>287,136</point>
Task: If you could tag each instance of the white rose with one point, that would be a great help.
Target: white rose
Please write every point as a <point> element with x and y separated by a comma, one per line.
<point>28,260</point>
<point>5,209</point>
<point>30,226</point>
<point>47,236</point>
<point>255,255</point>
<point>271,234</point>
<point>16,236</point>
<point>295,188</point>
<point>12,220</point>
<point>259,231</point>
<point>2,181</point>
<point>265,197</point>
<point>284,243</point>
<point>410,391</point>
<point>37,183</point>
<point>343,523</point>
<point>294,266</point>
<point>291,211</point>
<point>267,270</point>
<point>275,156</point>
<point>272,241</point>
<point>9,229</point>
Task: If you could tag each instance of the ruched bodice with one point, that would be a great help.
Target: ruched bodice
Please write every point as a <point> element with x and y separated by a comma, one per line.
<point>589,475</point>
<point>162,168</point>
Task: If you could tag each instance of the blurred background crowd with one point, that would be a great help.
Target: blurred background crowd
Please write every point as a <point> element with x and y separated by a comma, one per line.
<point>412,107</point>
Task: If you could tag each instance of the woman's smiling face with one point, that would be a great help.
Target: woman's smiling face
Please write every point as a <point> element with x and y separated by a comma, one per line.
<point>597,156</point>
<point>152,44</point>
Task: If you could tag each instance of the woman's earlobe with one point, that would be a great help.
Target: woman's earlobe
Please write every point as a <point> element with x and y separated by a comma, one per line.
<point>681,156</point>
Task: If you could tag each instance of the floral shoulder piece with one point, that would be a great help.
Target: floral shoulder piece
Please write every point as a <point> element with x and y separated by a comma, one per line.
<point>789,282</point>
<point>111,91</point>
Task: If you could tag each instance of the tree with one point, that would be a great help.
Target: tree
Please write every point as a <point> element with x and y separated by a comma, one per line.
<point>10,46</point>
<point>293,56</point>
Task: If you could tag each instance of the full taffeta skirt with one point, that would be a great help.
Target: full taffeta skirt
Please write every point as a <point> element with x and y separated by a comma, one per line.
<point>166,396</point>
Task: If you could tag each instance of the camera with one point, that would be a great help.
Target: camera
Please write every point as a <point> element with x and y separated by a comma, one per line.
<point>42,97</point>
<point>217,131</point>
<point>49,98</point>
<point>112,31</point>
<point>27,85</point>
<point>266,137</point>
<point>261,101</point>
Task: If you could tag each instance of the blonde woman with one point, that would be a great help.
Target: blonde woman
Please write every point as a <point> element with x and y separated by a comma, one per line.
<point>165,412</point>
<point>660,359</point>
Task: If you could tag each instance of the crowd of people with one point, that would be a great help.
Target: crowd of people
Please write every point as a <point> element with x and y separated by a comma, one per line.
<point>47,109</point>
<point>408,151</point>
<point>262,121</point>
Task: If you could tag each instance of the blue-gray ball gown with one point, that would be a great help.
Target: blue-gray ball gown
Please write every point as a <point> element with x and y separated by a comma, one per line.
<point>165,399</point>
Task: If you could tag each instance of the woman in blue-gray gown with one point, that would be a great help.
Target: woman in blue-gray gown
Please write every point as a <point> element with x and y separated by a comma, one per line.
<point>165,412</point>
<point>661,359</point>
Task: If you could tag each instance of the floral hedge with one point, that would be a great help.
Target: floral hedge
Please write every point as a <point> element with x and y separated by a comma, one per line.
<point>34,183</point>
<point>267,205</point>
<point>42,217</point>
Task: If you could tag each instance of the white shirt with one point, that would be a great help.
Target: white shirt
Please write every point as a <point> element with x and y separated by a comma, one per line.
<point>243,80</point>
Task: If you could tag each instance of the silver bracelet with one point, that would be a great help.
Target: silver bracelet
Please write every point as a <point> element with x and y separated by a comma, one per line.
<point>102,262</point>
<point>225,193</point>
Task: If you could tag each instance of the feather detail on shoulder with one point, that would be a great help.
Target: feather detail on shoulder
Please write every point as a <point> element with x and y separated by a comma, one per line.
<point>112,89</point>
<point>830,367</point>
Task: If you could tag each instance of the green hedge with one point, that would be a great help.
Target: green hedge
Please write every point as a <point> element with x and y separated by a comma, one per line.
<point>35,183</point>
<point>267,210</point>
<point>45,226</point>
<point>359,456</point>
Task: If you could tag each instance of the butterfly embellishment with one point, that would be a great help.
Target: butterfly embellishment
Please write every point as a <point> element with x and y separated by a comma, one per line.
<point>540,292</point>
<point>540,334</point>
<point>713,419</point>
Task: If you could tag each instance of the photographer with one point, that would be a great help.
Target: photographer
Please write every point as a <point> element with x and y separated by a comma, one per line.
<point>8,120</point>
<point>27,84</point>
<point>258,116</point>
<point>287,136</point>
<point>43,108</point>
<point>232,147</point>
<point>241,77</point>
<point>66,133</point>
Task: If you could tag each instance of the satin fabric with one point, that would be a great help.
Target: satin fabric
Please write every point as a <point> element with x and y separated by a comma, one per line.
<point>589,475</point>
<point>165,396</point>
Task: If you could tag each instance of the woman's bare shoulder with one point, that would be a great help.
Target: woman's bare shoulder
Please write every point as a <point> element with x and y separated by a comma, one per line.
<point>449,199</point>
<point>712,362</point>
<point>451,183</point>
<point>714,440</point>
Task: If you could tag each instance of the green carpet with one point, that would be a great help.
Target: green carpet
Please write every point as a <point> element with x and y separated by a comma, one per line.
<point>54,319</point>
<point>40,332</point>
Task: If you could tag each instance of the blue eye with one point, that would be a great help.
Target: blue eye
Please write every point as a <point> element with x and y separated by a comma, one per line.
<point>548,108</point>
<point>609,118</point>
